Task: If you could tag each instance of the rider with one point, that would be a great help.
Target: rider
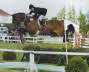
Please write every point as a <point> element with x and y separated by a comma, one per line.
<point>38,12</point>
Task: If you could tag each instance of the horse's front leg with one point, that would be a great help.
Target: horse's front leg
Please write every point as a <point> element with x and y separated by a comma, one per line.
<point>37,33</point>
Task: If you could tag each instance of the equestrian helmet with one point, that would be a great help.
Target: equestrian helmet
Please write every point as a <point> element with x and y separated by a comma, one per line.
<point>31,6</point>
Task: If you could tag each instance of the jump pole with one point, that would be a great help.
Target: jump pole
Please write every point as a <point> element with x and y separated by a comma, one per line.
<point>66,46</point>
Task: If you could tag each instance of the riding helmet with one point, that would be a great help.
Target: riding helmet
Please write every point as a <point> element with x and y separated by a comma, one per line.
<point>31,6</point>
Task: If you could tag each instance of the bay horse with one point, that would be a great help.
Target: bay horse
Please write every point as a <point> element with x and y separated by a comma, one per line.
<point>52,27</point>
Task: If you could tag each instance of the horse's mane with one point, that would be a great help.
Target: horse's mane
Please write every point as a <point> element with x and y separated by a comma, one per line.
<point>17,13</point>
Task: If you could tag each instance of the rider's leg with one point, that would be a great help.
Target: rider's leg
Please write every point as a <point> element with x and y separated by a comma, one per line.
<point>40,19</point>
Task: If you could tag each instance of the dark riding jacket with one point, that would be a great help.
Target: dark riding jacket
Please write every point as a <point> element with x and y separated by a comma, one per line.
<point>39,11</point>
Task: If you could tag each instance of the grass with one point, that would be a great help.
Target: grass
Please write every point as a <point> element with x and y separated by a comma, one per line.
<point>4,45</point>
<point>13,46</point>
<point>18,70</point>
<point>11,70</point>
<point>20,46</point>
<point>43,46</point>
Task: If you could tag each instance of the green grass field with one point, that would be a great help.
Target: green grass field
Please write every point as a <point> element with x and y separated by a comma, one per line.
<point>32,46</point>
<point>19,46</point>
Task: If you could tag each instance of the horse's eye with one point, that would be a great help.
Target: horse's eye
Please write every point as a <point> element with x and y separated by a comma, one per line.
<point>31,19</point>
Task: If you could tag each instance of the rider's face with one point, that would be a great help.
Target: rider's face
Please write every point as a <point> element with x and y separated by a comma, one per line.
<point>32,9</point>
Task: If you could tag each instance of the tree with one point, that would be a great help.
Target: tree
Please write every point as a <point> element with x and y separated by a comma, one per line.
<point>77,64</point>
<point>82,22</point>
<point>72,15</point>
<point>54,18</point>
<point>61,14</point>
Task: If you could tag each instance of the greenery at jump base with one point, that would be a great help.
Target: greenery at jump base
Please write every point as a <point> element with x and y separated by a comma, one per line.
<point>77,64</point>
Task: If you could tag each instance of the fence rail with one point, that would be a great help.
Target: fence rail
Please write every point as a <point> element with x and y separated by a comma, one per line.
<point>32,66</point>
<point>84,43</point>
<point>45,39</point>
<point>15,39</point>
<point>45,52</point>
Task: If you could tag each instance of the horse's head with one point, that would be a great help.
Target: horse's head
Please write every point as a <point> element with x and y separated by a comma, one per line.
<point>31,25</point>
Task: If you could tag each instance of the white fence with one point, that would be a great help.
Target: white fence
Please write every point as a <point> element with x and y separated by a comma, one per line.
<point>46,52</point>
<point>12,39</point>
<point>32,66</point>
<point>85,43</point>
<point>45,39</point>
<point>42,39</point>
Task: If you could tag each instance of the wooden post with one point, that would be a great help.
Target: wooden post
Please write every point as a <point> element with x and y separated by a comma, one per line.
<point>77,40</point>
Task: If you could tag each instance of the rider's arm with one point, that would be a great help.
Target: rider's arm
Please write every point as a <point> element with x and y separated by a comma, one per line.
<point>31,14</point>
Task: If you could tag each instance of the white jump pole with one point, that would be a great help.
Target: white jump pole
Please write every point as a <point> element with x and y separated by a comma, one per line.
<point>66,44</point>
<point>31,65</point>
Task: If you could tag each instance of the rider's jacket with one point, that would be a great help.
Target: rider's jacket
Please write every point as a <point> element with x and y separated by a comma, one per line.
<point>39,11</point>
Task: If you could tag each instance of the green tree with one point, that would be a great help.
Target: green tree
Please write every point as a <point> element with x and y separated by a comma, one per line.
<point>61,14</point>
<point>72,15</point>
<point>54,18</point>
<point>82,22</point>
<point>77,64</point>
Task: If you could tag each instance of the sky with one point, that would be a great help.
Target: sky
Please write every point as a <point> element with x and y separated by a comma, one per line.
<point>53,6</point>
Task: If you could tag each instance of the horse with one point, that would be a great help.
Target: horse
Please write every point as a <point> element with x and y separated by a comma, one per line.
<point>52,27</point>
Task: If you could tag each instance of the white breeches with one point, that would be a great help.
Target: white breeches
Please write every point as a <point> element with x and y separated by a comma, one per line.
<point>41,17</point>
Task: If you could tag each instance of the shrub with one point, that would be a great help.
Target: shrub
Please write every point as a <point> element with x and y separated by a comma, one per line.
<point>9,56</point>
<point>86,58</point>
<point>77,64</point>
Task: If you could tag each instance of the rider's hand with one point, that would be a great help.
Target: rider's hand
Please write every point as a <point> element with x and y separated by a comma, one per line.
<point>28,15</point>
